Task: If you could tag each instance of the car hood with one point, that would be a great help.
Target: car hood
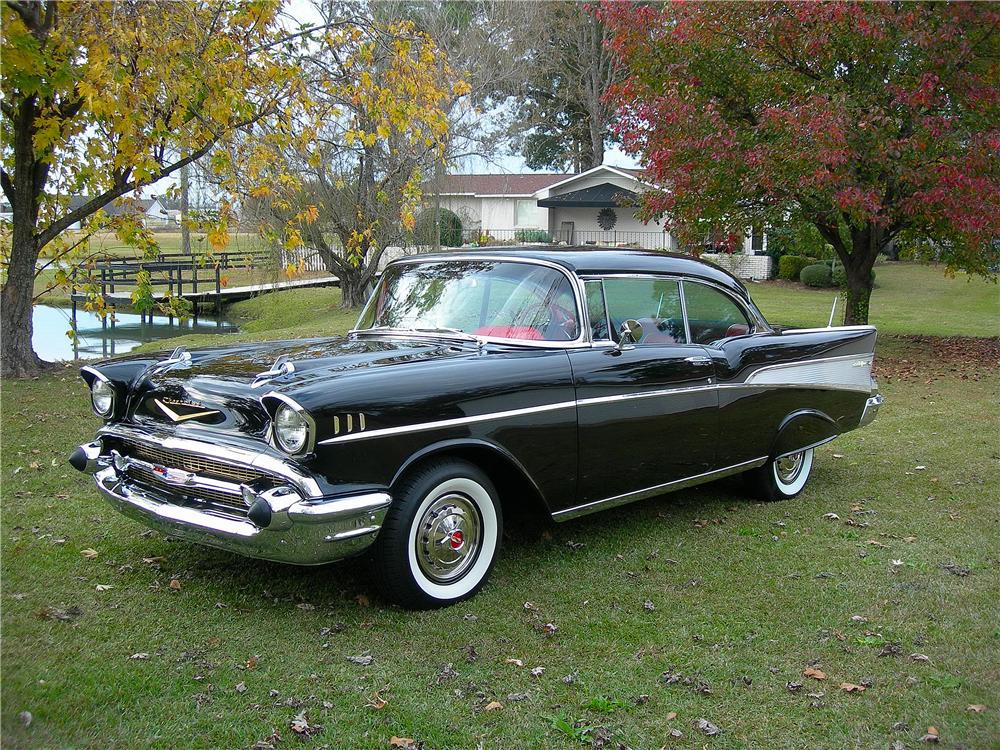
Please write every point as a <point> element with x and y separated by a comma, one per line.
<point>230,380</point>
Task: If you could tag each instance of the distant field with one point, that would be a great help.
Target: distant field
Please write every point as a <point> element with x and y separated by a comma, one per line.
<point>170,242</point>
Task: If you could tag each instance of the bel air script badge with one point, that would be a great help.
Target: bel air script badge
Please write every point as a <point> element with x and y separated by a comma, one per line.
<point>178,417</point>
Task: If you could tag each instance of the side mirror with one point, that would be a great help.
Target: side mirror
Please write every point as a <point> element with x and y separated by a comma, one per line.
<point>630,333</point>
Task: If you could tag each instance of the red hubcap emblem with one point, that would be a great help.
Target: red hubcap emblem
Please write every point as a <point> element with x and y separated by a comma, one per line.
<point>456,539</point>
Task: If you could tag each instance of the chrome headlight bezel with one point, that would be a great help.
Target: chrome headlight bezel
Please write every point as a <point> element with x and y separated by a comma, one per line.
<point>102,392</point>
<point>287,415</point>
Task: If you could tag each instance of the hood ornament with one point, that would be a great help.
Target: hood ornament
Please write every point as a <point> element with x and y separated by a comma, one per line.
<point>282,366</point>
<point>175,416</point>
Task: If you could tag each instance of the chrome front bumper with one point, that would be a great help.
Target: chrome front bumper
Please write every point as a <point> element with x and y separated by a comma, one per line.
<point>871,409</point>
<point>280,524</point>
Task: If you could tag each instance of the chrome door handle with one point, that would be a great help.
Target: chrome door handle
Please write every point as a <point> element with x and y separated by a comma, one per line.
<point>699,360</point>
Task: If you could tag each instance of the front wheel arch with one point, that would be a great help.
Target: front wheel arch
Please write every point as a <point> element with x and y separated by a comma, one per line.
<point>518,492</point>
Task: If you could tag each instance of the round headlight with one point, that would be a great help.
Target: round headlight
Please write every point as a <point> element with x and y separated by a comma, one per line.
<point>102,396</point>
<point>290,429</point>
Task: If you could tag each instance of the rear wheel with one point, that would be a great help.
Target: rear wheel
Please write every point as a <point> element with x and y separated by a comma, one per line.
<point>441,536</point>
<point>783,477</point>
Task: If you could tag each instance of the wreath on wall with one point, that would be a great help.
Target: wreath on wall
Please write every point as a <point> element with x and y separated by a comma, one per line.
<point>606,219</point>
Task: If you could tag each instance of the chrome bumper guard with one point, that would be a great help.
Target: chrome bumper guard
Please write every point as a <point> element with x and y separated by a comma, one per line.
<point>871,409</point>
<point>280,524</point>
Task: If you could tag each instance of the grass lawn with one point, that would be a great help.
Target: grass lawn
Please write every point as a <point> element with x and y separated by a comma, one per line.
<point>908,299</point>
<point>106,652</point>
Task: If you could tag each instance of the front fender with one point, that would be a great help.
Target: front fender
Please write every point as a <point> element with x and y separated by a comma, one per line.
<point>803,429</point>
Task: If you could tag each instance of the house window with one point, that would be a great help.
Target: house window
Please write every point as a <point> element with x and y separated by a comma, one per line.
<point>526,213</point>
<point>757,241</point>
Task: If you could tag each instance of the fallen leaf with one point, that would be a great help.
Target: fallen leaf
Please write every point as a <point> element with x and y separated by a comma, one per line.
<point>252,662</point>
<point>537,671</point>
<point>838,455</point>
<point>676,733</point>
<point>909,539</point>
<point>376,701</point>
<point>648,606</point>
<point>859,618</point>
<point>142,656</point>
<point>88,553</point>
<point>708,728</point>
<point>362,660</point>
<point>64,614</point>
<point>976,708</point>
<point>302,727</point>
<point>849,687</point>
<point>404,742</point>
<point>154,560</point>
<point>816,674</point>
<point>25,717</point>
<point>175,585</point>
<point>531,607</point>
<point>793,687</point>
<point>103,586</point>
<point>493,706</point>
<point>241,687</point>
<point>363,600</point>
<point>515,662</point>
<point>831,516</point>
<point>549,628</point>
<point>931,736</point>
<point>920,657</point>
<point>671,715</point>
<point>877,543</point>
<point>305,606</point>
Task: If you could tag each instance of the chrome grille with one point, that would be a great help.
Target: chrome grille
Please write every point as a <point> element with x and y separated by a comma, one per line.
<point>201,465</point>
<point>208,495</point>
<point>208,467</point>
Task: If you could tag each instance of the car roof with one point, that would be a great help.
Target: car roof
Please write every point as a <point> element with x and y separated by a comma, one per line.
<point>584,260</point>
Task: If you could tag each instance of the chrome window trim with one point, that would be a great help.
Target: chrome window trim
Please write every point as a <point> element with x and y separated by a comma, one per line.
<point>757,324</point>
<point>657,489</point>
<point>607,320</point>
<point>310,443</point>
<point>580,341</point>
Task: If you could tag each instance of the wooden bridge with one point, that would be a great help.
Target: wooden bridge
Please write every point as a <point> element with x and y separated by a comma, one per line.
<point>189,278</point>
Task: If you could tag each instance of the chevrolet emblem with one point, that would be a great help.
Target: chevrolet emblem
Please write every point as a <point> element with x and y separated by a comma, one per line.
<point>183,417</point>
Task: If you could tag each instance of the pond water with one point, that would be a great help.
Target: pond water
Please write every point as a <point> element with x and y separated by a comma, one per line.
<point>98,338</point>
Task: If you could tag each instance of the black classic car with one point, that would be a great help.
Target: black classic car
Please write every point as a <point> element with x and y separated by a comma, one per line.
<point>571,379</point>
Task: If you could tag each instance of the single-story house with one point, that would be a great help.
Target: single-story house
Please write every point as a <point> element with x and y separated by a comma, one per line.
<point>594,207</point>
<point>153,214</point>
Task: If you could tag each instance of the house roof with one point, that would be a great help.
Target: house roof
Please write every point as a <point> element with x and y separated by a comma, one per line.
<point>115,207</point>
<point>605,195</point>
<point>497,184</point>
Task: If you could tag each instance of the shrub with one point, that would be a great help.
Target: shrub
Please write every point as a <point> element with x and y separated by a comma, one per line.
<point>840,276</point>
<point>817,274</point>
<point>450,228</point>
<point>532,235</point>
<point>790,266</point>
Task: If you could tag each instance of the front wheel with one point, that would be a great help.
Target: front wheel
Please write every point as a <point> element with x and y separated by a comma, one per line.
<point>440,537</point>
<point>783,477</point>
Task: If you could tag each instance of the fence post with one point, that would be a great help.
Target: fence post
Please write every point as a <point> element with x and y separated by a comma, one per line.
<point>218,291</point>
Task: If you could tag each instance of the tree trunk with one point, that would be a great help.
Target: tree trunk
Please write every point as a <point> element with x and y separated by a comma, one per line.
<point>353,289</point>
<point>185,231</point>
<point>866,243</point>
<point>17,357</point>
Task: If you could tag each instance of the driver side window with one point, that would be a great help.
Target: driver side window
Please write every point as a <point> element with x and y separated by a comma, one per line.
<point>655,303</point>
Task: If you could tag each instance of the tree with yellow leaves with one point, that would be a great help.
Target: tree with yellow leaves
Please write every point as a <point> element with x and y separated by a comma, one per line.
<point>104,98</point>
<point>379,94</point>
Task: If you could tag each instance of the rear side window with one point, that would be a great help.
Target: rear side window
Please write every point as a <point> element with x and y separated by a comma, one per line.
<point>712,315</point>
<point>655,303</point>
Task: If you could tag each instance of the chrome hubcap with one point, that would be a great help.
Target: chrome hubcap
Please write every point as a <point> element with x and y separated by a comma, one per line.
<point>448,538</point>
<point>787,469</point>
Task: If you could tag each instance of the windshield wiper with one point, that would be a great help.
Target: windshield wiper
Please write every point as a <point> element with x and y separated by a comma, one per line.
<point>456,332</point>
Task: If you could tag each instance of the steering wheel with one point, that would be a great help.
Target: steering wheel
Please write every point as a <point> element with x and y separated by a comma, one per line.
<point>564,321</point>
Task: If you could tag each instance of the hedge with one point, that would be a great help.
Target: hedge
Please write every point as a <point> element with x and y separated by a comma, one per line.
<point>532,235</point>
<point>790,266</point>
<point>450,227</point>
<point>817,274</point>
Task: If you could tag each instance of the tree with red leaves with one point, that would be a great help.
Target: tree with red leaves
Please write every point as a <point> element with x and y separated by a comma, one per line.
<point>876,122</point>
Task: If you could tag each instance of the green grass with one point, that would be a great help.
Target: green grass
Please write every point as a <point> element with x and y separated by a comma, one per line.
<point>908,299</point>
<point>742,604</point>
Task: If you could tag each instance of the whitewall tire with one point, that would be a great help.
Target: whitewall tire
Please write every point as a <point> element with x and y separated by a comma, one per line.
<point>441,536</point>
<point>783,477</point>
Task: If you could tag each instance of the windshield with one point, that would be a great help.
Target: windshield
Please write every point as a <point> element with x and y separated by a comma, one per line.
<point>499,299</point>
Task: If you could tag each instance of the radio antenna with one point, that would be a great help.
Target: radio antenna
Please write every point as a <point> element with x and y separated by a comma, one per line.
<point>833,311</point>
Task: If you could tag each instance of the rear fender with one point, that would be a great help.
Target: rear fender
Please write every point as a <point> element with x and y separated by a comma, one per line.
<point>803,429</point>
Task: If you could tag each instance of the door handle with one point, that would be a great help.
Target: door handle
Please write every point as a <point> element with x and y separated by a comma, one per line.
<point>699,360</point>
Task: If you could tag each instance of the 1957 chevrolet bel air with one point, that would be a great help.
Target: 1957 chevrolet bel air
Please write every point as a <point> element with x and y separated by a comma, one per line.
<point>573,379</point>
